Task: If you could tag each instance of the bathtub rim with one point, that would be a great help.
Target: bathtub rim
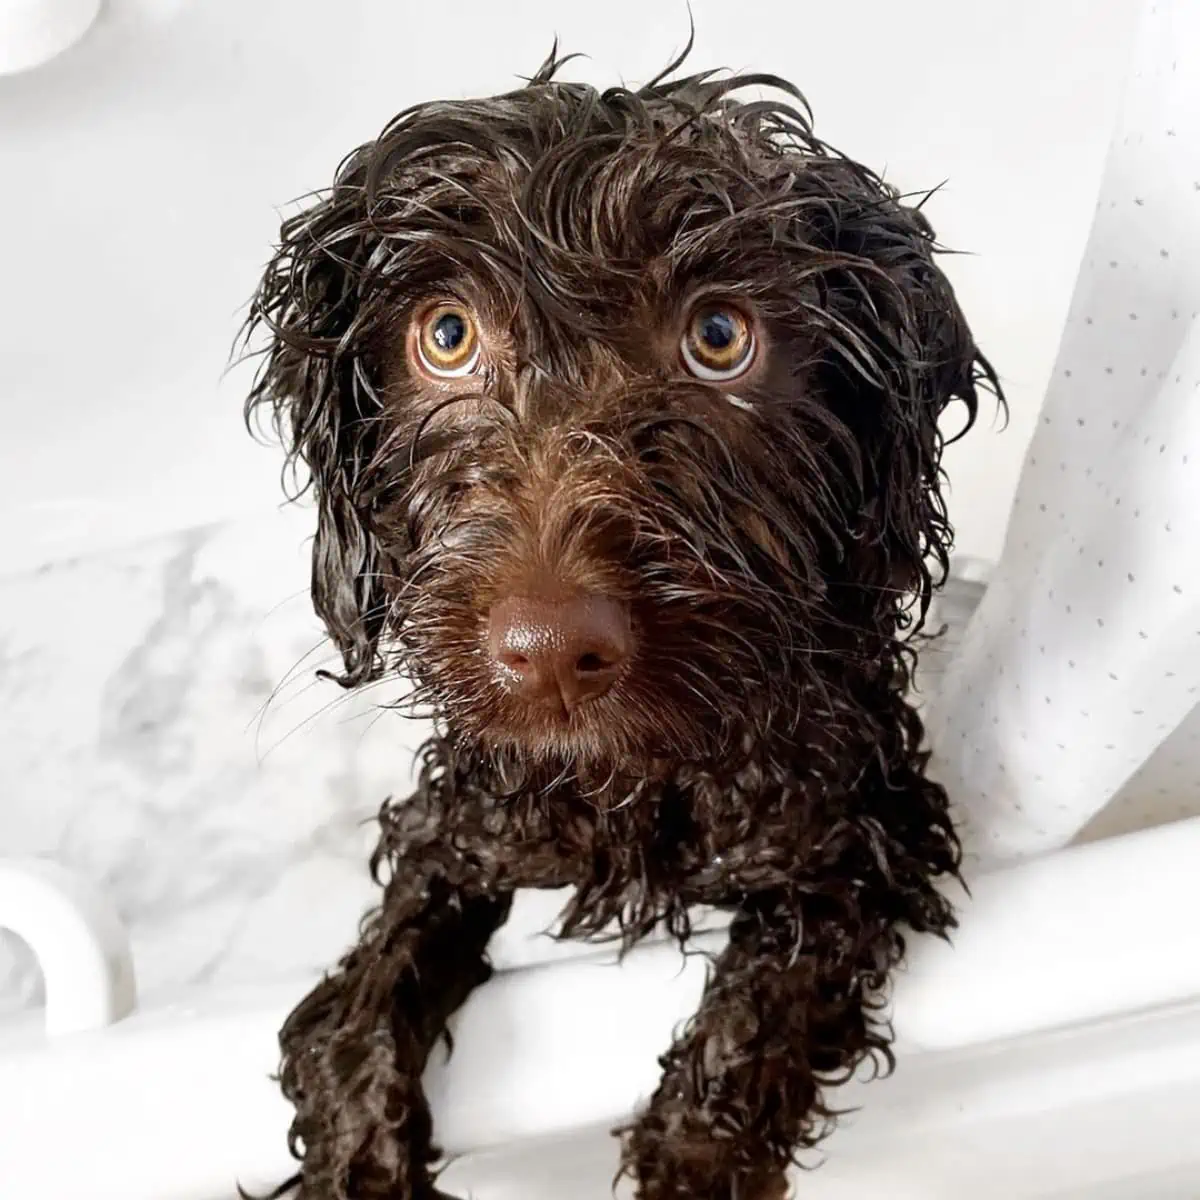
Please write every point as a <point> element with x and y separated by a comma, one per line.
<point>1024,966</point>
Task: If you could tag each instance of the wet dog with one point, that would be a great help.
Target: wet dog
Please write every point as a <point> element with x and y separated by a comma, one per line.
<point>621,413</point>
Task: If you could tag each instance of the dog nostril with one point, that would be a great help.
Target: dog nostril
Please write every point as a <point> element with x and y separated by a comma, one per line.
<point>560,653</point>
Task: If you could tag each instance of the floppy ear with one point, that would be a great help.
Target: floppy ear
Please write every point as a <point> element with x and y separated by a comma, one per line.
<point>900,353</point>
<point>316,386</point>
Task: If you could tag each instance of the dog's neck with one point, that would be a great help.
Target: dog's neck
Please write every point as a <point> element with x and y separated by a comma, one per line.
<point>642,848</point>
<point>691,809</point>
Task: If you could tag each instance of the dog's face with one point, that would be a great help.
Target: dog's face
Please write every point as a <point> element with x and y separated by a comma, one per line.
<point>621,413</point>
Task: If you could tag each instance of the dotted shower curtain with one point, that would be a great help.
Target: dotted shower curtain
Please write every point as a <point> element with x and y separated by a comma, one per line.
<point>1083,658</point>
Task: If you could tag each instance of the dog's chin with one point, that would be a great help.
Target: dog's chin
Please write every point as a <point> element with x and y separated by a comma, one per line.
<point>592,740</point>
<point>569,743</point>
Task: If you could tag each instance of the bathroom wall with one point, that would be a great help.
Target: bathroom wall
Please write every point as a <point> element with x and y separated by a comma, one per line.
<point>161,728</point>
<point>163,734</point>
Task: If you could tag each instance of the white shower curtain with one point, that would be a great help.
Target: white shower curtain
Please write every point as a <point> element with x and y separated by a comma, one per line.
<point>1084,655</point>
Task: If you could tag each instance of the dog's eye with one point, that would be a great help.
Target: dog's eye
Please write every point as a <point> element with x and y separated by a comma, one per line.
<point>447,342</point>
<point>718,344</point>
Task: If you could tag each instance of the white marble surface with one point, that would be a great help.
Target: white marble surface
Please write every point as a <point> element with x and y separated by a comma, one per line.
<point>164,734</point>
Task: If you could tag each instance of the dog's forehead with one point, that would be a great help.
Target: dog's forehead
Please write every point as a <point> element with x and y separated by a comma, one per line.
<point>566,185</point>
<point>584,227</point>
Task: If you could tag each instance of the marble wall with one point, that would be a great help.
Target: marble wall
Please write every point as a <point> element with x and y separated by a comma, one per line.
<point>163,733</point>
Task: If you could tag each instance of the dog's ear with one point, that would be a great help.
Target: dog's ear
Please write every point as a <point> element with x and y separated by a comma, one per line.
<point>316,385</point>
<point>898,353</point>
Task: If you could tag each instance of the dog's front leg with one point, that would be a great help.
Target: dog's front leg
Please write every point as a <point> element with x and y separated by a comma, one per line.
<point>788,1010</point>
<point>355,1048</point>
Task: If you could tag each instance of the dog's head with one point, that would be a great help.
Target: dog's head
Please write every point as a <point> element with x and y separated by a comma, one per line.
<point>621,412</point>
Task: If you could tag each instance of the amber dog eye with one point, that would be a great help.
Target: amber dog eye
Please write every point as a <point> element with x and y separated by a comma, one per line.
<point>447,342</point>
<point>719,343</point>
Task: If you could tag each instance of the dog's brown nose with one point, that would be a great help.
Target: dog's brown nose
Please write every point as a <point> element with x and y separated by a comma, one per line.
<point>560,653</point>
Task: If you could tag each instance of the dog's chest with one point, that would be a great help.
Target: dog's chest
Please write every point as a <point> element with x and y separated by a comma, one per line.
<point>705,847</point>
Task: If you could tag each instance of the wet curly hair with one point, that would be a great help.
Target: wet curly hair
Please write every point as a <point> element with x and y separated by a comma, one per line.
<point>770,540</point>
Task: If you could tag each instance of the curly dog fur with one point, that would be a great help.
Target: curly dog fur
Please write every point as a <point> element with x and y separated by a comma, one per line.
<point>774,540</point>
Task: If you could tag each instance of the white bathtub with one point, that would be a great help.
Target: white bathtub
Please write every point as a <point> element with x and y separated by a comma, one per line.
<point>1054,1052</point>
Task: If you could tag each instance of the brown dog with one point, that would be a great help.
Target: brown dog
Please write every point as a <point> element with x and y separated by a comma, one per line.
<point>621,412</point>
